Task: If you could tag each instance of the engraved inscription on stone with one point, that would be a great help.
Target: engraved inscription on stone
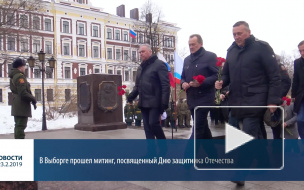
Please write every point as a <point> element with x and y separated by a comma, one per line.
<point>84,97</point>
<point>107,96</point>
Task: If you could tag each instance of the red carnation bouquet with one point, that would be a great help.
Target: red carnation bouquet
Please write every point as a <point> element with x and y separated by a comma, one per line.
<point>199,78</point>
<point>121,90</point>
<point>287,100</point>
<point>219,64</point>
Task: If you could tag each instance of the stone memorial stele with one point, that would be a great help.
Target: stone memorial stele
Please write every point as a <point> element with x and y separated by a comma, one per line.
<point>99,105</point>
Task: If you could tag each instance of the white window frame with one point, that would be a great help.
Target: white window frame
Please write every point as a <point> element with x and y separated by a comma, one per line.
<point>21,39</point>
<point>45,41</point>
<point>82,43</point>
<point>98,46</point>
<point>126,58</point>
<point>111,36</point>
<point>116,57</point>
<point>28,21</point>
<point>33,47</point>
<point>119,34</point>
<point>110,68</point>
<point>78,28</point>
<point>82,66</point>
<point>45,25</point>
<point>66,41</point>
<point>95,25</point>
<point>71,70</point>
<point>34,24</point>
<point>15,19</point>
<point>15,43</point>
<point>119,69</point>
<point>134,59</point>
<point>111,53</point>
<point>69,26</point>
<point>97,67</point>
<point>1,42</point>
<point>125,34</point>
<point>127,70</point>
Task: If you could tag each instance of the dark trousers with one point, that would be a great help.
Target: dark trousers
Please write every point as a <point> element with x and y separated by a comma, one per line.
<point>252,126</point>
<point>20,125</point>
<point>151,119</point>
<point>137,123</point>
<point>201,124</point>
<point>276,131</point>
<point>300,120</point>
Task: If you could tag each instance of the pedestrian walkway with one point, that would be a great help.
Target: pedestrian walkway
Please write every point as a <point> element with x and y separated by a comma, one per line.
<point>138,133</point>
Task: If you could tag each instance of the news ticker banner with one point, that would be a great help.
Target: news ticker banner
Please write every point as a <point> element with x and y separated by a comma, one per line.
<point>148,160</point>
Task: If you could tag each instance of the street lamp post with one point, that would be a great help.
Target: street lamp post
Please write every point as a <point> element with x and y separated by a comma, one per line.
<point>31,61</point>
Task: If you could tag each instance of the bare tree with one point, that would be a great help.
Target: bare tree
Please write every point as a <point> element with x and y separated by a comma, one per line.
<point>154,30</point>
<point>15,15</point>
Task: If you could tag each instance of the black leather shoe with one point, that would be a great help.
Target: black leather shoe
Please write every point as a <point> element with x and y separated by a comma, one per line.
<point>239,183</point>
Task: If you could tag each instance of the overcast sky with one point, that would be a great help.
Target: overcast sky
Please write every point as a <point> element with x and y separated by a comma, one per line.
<point>278,22</point>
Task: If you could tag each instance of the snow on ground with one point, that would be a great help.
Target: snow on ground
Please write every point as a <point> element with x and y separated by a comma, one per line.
<point>35,123</point>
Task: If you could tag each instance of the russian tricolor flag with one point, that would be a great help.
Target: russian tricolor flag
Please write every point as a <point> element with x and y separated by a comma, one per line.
<point>132,33</point>
<point>161,57</point>
<point>178,67</point>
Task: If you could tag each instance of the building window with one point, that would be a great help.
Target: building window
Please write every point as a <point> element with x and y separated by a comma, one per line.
<point>67,93</point>
<point>66,48</point>
<point>66,26</point>
<point>81,29</point>
<point>48,24</point>
<point>1,43</point>
<point>23,21</point>
<point>118,54</point>
<point>24,45</point>
<point>80,1</point>
<point>81,51</point>
<point>110,71</point>
<point>49,95</point>
<point>134,75</point>
<point>1,99</point>
<point>109,53</point>
<point>134,56</point>
<point>36,46</point>
<point>127,75</point>
<point>11,20</point>
<point>109,34</point>
<point>1,70</point>
<point>140,38</point>
<point>168,42</point>
<point>36,23</point>
<point>117,35</point>
<point>95,31</point>
<point>48,47</point>
<point>126,35</point>
<point>82,71</point>
<point>37,72</point>
<point>26,72</point>
<point>96,70</point>
<point>95,51</point>
<point>11,41</point>
<point>48,72</point>
<point>118,72</point>
<point>38,94</point>
<point>67,72</point>
<point>126,55</point>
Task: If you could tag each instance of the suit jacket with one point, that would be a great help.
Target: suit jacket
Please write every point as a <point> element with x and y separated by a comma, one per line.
<point>200,63</point>
<point>297,90</point>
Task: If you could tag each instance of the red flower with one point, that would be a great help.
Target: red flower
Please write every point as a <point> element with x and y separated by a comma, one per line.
<point>122,92</point>
<point>119,88</point>
<point>220,60</point>
<point>124,86</point>
<point>199,78</point>
<point>288,100</point>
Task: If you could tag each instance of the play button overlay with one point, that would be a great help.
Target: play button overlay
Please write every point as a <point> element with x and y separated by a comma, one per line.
<point>233,149</point>
<point>235,138</point>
